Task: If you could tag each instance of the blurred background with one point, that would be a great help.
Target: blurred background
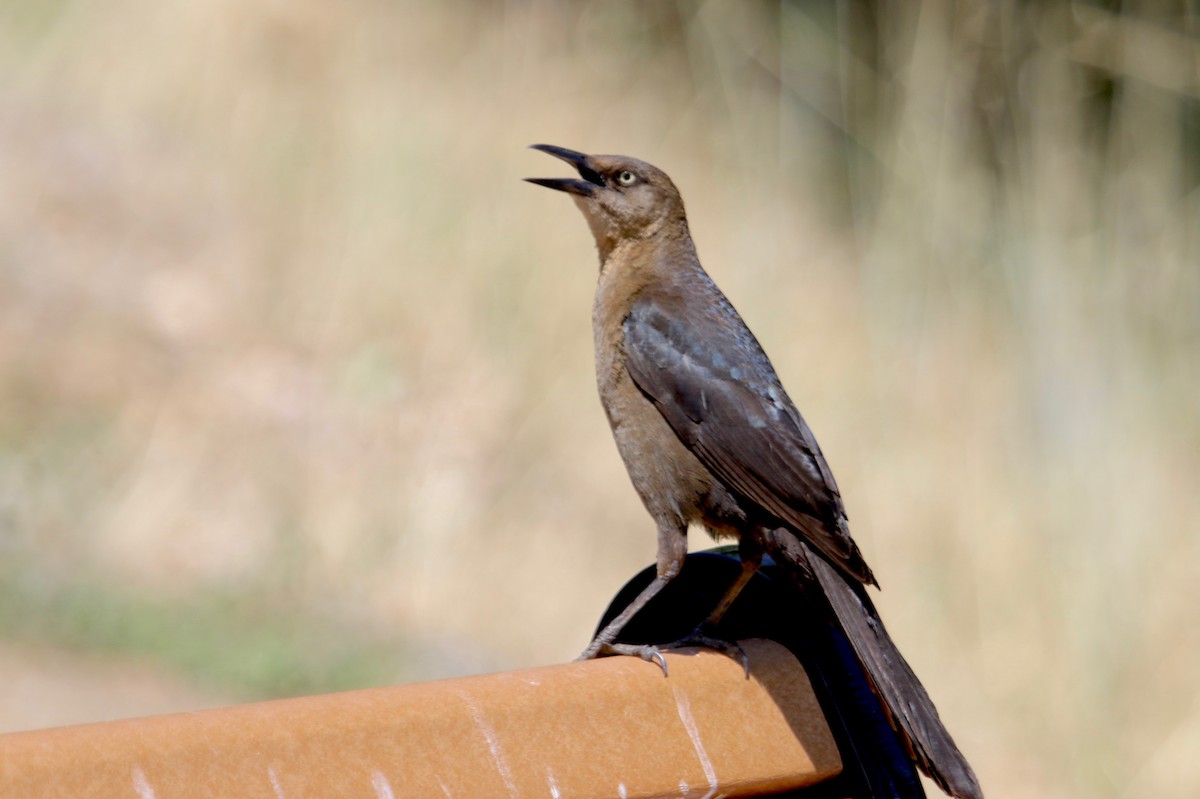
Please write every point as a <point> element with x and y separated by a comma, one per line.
<point>296,388</point>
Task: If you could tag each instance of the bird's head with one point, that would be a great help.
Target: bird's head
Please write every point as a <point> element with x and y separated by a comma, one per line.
<point>621,197</point>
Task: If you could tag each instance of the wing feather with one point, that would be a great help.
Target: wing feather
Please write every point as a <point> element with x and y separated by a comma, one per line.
<point>717,390</point>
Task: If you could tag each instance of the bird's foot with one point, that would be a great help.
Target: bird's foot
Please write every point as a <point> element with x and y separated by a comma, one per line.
<point>700,638</point>
<point>647,652</point>
<point>654,654</point>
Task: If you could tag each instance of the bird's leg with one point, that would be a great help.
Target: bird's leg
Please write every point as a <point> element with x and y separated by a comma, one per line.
<point>603,643</point>
<point>672,550</point>
<point>750,553</point>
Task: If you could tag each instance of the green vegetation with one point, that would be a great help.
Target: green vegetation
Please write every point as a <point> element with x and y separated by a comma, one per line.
<point>241,644</point>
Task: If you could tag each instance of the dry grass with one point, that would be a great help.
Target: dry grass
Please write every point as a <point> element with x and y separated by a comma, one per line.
<point>279,323</point>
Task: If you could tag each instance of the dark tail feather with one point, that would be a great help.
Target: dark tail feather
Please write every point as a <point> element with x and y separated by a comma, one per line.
<point>902,695</point>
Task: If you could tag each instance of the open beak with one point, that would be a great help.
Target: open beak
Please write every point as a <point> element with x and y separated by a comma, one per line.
<point>584,188</point>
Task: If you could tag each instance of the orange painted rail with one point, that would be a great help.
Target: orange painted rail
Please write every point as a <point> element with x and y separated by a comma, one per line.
<point>613,728</point>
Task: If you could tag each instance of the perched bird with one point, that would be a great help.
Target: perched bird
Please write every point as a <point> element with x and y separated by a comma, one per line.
<point>710,437</point>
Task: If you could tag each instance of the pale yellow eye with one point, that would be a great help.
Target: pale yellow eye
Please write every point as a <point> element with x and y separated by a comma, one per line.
<point>626,178</point>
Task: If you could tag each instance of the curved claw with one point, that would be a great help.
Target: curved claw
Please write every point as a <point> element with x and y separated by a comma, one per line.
<point>646,652</point>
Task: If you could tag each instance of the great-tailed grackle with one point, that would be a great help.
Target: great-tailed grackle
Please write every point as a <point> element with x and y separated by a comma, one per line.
<point>710,437</point>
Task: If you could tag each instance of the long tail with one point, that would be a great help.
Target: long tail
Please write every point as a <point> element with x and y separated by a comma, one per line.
<point>903,697</point>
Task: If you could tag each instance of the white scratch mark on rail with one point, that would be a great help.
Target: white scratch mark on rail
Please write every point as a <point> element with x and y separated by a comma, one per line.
<point>141,784</point>
<point>275,786</point>
<point>383,789</point>
<point>493,743</point>
<point>689,723</point>
<point>554,793</point>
